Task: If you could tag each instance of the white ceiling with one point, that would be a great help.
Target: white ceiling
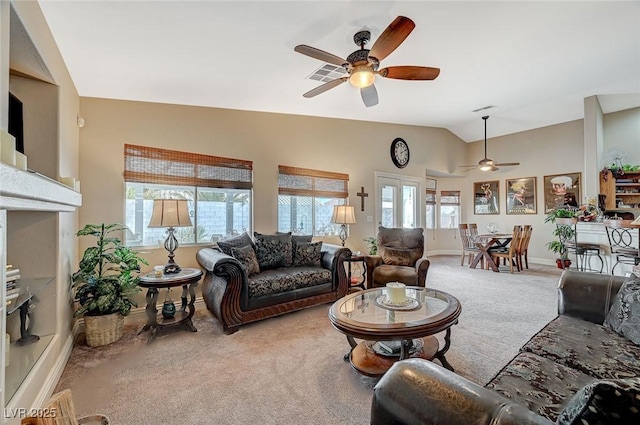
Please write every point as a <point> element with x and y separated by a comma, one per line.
<point>535,61</point>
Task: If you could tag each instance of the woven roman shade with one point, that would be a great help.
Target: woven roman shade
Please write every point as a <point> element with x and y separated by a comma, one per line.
<point>430,197</point>
<point>450,197</point>
<point>143,164</point>
<point>304,182</point>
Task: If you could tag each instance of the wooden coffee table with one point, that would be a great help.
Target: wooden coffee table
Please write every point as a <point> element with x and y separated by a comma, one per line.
<point>409,331</point>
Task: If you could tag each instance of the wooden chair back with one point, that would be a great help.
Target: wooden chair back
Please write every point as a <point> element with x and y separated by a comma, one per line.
<point>60,410</point>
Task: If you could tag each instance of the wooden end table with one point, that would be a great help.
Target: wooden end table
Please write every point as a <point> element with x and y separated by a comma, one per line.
<point>188,279</point>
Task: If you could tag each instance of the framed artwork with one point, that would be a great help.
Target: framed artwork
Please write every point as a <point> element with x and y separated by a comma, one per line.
<point>486,197</point>
<point>562,190</point>
<point>430,183</point>
<point>521,196</point>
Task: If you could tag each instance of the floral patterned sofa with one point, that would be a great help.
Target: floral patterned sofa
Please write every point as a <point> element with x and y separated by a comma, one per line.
<point>253,279</point>
<point>574,371</point>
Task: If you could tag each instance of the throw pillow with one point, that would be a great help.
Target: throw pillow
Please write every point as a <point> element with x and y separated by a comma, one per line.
<point>611,402</point>
<point>247,257</point>
<point>235,242</point>
<point>624,315</point>
<point>307,254</point>
<point>273,250</point>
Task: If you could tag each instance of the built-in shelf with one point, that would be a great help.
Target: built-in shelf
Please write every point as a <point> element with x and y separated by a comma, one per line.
<point>30,191</point>
<point>22,358</point>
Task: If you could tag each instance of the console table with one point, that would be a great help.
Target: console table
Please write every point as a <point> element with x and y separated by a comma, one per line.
<point>188,279</point>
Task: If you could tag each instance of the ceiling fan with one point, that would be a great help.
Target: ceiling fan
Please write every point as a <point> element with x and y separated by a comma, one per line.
<point>362,65</point>
<point>487,164</point>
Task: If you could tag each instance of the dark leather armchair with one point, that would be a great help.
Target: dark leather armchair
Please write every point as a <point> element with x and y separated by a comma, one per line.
<point>400,258</point>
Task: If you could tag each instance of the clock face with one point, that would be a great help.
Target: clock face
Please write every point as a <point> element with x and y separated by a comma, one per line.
<point>400,153</point>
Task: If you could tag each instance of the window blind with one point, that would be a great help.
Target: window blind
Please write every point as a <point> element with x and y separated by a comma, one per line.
<point>305,182</point>
<point>430,197</point>
<point>450,197</point>
<point>143,164</point>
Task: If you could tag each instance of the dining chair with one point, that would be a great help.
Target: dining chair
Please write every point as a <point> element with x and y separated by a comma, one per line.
<point>469,249</point>
<point>584,252</point>
<point>510,252</point>
<point>621,242</point>
<point>523,247</point>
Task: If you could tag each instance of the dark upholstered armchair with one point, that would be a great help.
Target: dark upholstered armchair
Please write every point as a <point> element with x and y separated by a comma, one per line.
<point>400,258</point>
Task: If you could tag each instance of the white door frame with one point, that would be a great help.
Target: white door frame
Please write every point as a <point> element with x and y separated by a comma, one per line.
<point>402,180</point>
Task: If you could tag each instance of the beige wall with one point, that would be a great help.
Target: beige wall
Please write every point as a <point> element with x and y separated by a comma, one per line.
<point>354,147</point>
<point>622,130</point>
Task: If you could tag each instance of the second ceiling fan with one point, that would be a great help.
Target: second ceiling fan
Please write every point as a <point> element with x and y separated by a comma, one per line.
<point>362,65</point>
<point>487,164</point>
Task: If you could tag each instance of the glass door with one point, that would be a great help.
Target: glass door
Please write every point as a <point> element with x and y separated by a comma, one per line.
<point>398,201</point>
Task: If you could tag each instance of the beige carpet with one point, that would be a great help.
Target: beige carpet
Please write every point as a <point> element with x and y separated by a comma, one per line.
<point>289,369</point>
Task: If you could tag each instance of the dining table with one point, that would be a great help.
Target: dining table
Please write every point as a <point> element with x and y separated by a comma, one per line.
<point>489,240</point>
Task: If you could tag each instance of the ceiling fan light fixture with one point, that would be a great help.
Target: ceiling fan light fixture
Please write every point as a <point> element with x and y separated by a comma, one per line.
<point>362,76</point>
<point>486,167</point>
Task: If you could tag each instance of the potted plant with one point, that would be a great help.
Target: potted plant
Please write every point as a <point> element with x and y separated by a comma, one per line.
<point>104,284</point>
<point>372,245</point>
<point>564,219</point>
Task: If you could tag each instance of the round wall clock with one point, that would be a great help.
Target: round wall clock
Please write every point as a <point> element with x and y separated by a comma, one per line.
<point>400,152</point>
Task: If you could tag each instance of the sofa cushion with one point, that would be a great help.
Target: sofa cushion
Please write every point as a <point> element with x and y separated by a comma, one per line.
<point>611,402</point>
<point>538,383</point>
<point>235,242</point>
<point>624,314</point>
<point>307,254</point>
<point>590,348</point>
<point>247,257</point>
<point>273,250</point>
<point>275,281</point>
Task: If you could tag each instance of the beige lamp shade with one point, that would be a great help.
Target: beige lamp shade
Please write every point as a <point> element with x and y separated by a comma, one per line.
<point>170,213</point>
<point>343,214</point>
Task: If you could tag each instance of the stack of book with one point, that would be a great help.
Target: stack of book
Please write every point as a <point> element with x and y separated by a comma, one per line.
<point>13,278</point>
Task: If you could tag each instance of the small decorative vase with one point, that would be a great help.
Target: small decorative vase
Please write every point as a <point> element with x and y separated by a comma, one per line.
<point>168,309</point>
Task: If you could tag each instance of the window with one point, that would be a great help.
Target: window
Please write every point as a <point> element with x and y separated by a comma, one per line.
<point>218,190</point>
<point>399,200</point>
<point>431,209</point>
<point>306,199</point>
<point>449,209</point>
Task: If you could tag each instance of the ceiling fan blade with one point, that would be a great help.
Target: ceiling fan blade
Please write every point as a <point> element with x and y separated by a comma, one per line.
<point>369,96</point>
<point>507,164</point>
<point>319,54</point>
<point>392,37</point>
<point>468,166</point>
<point>410,72</point>
<point>326,86</point>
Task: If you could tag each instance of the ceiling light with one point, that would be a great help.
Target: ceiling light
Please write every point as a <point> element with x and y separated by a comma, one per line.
<point>362,76</point>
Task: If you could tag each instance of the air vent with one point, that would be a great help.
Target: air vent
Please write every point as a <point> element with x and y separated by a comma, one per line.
<point>484,108</point>
<point>328,72</point>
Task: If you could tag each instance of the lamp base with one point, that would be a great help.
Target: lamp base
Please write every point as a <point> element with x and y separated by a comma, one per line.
<point>172,268</point>
<point>343,233</point>
<point>171,244</point>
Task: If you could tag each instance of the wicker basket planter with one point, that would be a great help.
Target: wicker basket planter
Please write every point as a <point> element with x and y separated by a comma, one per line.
<point>103,329</point>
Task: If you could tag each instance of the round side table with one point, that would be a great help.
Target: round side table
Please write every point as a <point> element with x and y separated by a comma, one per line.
<point>188,279</point>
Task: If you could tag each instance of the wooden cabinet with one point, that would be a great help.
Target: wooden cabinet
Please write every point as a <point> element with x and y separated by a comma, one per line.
<point>622,192</point>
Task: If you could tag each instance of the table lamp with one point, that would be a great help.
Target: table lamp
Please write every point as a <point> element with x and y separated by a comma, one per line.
<point>170,213</point>
<point>343,215</point>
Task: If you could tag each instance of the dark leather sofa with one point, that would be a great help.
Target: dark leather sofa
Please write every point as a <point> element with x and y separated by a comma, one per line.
<point>573,351</point>
<point>227,294</point>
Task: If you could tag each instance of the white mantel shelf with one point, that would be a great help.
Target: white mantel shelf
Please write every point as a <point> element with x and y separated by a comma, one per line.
<point>30,191</point>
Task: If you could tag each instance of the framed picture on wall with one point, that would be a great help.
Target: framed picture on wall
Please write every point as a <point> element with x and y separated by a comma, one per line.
<point>486,197</point>
<point>562,190</point>
<point>521,196</point>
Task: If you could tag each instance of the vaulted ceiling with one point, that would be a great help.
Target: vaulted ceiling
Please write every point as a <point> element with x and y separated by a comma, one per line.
<point>533,62</point>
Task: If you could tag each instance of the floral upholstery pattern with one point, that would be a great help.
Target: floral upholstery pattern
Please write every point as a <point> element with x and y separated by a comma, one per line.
<point>235,242</point>
<point>275,281</point>
<point>247,257</point>
<point>307,254</point>
<point>273,250</point>
<point>606,402</point>
<point>624,315</point>
<point>590,348</point>
<point>539,384</point>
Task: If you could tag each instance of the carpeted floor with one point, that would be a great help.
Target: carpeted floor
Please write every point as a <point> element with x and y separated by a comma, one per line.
<point>289,369</point>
